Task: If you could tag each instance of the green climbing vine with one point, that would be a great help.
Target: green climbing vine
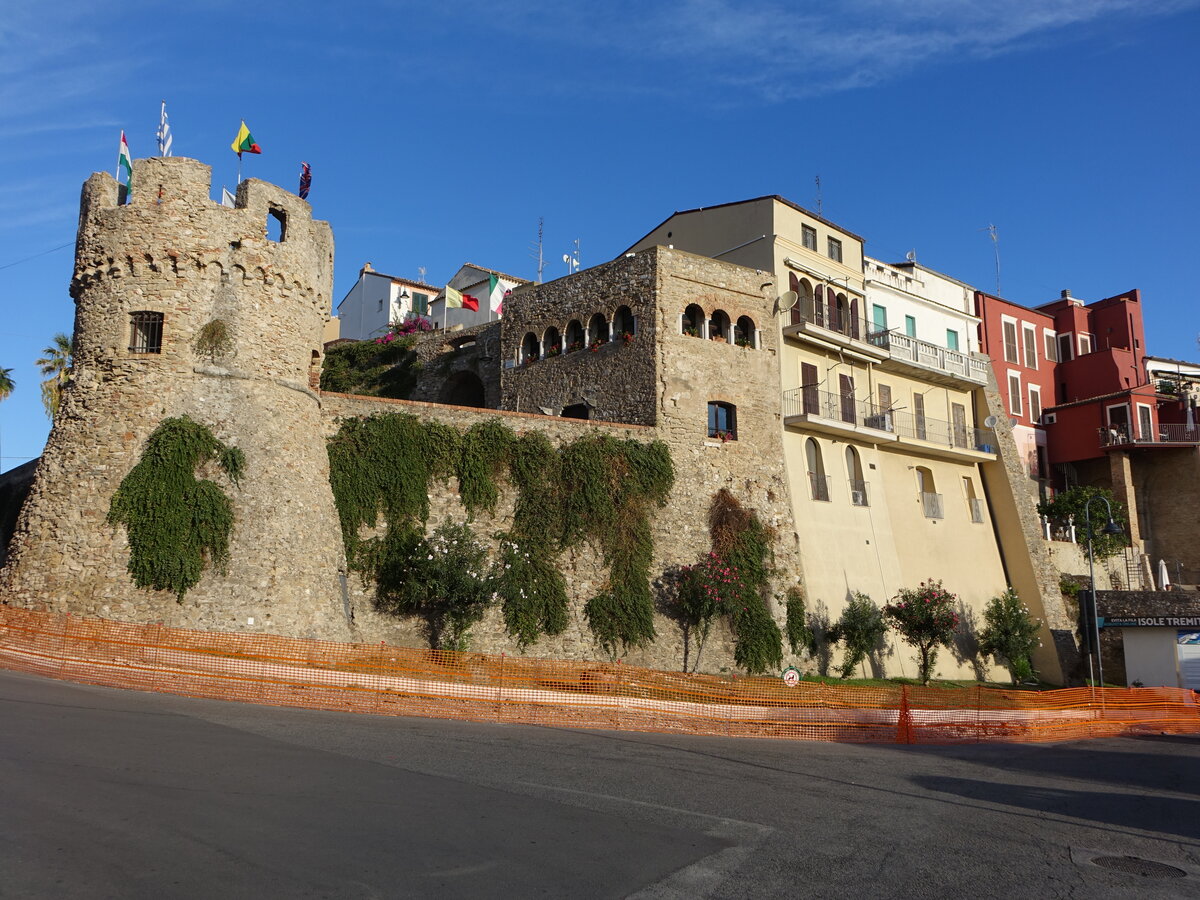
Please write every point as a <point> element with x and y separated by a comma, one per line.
<point>596,489</point>
<point>175,522</point>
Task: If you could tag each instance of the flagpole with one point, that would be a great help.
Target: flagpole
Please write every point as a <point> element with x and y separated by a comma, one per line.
<point>239,181</point>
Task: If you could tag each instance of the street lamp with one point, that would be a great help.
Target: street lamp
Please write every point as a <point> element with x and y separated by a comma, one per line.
<point>1111,528</point>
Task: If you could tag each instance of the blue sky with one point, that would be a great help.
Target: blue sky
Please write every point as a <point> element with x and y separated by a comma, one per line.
<point>439,136</point>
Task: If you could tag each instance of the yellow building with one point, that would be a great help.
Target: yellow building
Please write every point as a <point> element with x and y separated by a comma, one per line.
<point>882,437</point>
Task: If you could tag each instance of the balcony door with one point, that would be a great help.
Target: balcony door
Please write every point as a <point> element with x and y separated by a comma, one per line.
<point>846,383</point>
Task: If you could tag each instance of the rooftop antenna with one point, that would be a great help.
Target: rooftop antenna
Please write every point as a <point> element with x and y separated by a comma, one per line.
<point>537,250</point>
<point>818,181</point>
<point>994,234</point>
<point>572,259</point>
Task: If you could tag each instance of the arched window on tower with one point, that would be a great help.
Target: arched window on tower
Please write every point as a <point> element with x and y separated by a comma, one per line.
<point>597,333</point>
<point>624,325</point>
<point>692,323</point>
<point>529,349</point>
<point>718,326</point>
<point>744,333</point>
<point>574,337</point>
<point>551,342</point>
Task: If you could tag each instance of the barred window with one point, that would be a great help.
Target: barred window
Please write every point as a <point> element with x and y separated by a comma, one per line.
<point>145,332</point>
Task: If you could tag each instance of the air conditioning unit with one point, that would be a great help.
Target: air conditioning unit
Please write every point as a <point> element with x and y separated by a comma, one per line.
<point>858,498</point>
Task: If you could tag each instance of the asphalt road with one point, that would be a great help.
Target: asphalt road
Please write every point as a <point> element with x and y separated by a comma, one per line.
<point>106,793</point>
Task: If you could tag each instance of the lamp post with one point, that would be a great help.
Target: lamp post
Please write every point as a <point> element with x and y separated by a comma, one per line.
<point>1111,528</point>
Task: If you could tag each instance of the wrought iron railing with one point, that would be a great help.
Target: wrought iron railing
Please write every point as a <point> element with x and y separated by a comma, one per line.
<point>930,356</point>
<point>1136,433</point>
<point>976,504</point>
<point>932,504</point>
<point>811,401</point>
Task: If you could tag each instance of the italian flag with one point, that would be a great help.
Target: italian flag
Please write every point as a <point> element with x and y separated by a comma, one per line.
<point>125,163</point>
<point>244,142</point>
<point>495,294</point>
<point>458,300</point>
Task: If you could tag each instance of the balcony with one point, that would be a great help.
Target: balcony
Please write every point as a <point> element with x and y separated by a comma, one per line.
<point>1138,435</point>
<point>931,362</point>
<point>839,415</point>
<point>830,326</point>
<point>937,437</point>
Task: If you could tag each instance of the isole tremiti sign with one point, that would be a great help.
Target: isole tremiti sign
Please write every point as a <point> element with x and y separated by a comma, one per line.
<point>1150,621</point>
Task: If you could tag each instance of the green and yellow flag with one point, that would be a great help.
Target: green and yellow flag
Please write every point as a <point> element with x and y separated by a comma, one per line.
<point>244,142</point>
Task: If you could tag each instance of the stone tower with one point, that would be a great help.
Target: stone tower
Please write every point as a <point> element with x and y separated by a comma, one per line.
<point>149,277</point>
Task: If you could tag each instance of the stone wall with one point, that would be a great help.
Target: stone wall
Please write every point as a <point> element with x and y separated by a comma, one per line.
<point>1168,491</point>
<point>460,367</point>
<point>176,252</point>
<point>1131,604</point>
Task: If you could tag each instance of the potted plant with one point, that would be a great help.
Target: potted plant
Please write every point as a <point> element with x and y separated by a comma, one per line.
<point>627,336</point>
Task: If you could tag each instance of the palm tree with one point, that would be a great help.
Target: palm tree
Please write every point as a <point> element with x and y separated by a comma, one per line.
<point>56,366</point>
<point>6,383</point>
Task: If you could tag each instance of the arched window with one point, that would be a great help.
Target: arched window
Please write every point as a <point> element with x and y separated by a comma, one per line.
<point>718,326</point>
<point>145,332</point>
<point>858,485</point>
<point>551,342</point>
<point>817,480</point>
<point>574,338</point>
<point>838,312</point>
<point>529,348</point>
<point>803,310</point>
<point>931,500</point>
<point>974,504</point>
<point>693,321</point>
<point>744,333</point>
<point>818,306</point>
<point>597,333</point>
<point>623,325</point>
<point>722,421</point>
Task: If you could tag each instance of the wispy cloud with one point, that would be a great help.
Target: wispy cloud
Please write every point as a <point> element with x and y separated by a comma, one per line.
<point>785,50</point>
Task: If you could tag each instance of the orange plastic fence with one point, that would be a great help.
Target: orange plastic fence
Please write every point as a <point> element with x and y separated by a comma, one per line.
<point>386,680</point>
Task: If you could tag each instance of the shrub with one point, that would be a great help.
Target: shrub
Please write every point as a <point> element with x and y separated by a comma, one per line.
<point>925,618</point>
<point>1072,502</point>
<point>1010,633</point>
<point>860,628</point>
<point>443,578</point>
<point>532,591</point>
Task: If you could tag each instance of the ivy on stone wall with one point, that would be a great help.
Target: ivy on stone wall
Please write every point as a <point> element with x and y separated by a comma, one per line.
<point>372,368</point>
<point>596,489</point>
<point>175,522</point>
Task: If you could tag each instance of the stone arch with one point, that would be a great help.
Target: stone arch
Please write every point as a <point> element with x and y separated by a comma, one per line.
<point>623,322</point>
<point>597,331</point>
<point>718,326</point>
<point>692,322</point>
<point>464,389</point>
<point>552,342</point>
<point>574,336</point>
<point>530,348</point>
<point>745,333</point>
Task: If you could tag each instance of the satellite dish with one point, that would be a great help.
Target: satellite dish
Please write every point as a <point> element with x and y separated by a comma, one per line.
<point>566,258</point>
<point>990,421</point>
<point>911,255</point>
<point>1012,423</point>
<point>787,300</point>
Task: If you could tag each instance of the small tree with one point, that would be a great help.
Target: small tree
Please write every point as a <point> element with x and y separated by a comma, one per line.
<point>1010,634</point>
<point>799,633</point>
<point>706,590</point>
<point>444,578</point>
<point>6,383</point>
<point>860,629</point>
<point>925,618</point>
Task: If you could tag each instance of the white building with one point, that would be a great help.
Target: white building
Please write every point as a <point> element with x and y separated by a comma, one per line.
<point>477,282</point>
<point>912,301</point>
<point>377,300</point>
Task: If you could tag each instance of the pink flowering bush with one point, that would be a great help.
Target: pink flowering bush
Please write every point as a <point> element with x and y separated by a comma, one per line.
<point>709,589</point>
<point>925,618</point>
<point>413,325</point>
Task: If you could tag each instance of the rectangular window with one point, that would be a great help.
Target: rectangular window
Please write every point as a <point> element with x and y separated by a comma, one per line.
<point>1064,348</point>
<point>951,339</point>
<point>910,326</point>
<point>1010,342</point>
<point>1035,403</point>
<point>879,317</point>
<point>1014,393</point>
<point>884,392</point>
<point>846,383</point>
<point>1051,349</point>
<point>145,332</point>
<point>808,235</point>
<point>722,421</point>
<point>835,249</point>
<point>919,414</point>
<point>421,304</point>
<point>1085,344</point>
<point>1031,342</point>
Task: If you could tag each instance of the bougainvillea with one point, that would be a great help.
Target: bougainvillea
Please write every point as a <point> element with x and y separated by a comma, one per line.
<point>925,618</point>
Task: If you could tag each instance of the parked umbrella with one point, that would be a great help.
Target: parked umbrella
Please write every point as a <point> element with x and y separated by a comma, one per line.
<point>1164,580</point>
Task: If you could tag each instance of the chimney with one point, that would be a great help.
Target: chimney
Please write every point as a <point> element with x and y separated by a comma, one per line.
<point>367,267</point>
<point>1066,294</point>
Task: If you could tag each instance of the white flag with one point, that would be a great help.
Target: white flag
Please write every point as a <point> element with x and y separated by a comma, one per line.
<point>227,199</point>
<point>164,132</point>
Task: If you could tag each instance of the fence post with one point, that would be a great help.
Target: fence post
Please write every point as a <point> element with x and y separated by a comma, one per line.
<point>904,733</point>
<point>500,689</point>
